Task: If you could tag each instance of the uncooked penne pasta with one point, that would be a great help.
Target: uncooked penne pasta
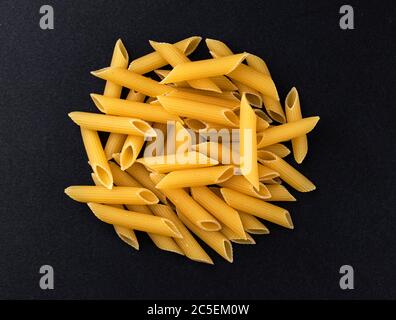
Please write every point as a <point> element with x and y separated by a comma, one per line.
<point>97,157</point>
<point>224,83</point>
<point>214,239</point>
<point>248,143</point>
<point>279,193</point>
<point>174,57</point>
<point>198,110</point>
<point>133,109</point>
<point>252,96</point>
<point>274,109</point>
<point>116,195</point>
<point>132,80</point>
<point>257,64</point>
<point>252,225</point>
<point>266,173</point>
<point>157,145</point>
<point>219,151</point>
<point>260,113</point>
<point>196,177</point>
<point>153,60</point>
<point>276,180</point>
<point>168,163</point>
<point>286,131</point>
<point>293,113</point>
<point>218,47</point>
<point>134,220</point>
<point>279,149</point>
<point>101,122</point>
<point>204,68</point>
<point>187,243</point>
<point>219,209</point>
<point>257,207</point>
<point>130,150</point>
<point>233,237</point>
<point>241,184</point>
<point>286,172</point>
<point>193,211</point>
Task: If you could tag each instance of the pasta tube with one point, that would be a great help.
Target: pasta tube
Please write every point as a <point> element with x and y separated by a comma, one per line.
<point>279,149</point>
<point>252,225</point>
<point>130,150</point>
<point>233,237</point>
<point>266,173</point>
<point>279,193</point>
<point>241,184</point>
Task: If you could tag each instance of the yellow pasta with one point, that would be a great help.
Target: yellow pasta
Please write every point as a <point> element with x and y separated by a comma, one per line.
<point>248,143</point>
<point>252,225</point>
<point>261,114</point>
<point>276,180</point>
<point>187,243</point>
<point>157,145</point>
<point>266,173</point>
<point>198,110</point>
<point>279,149</point>
<point>174,57</point>
<point>229,95</point>
<point>286,131</point>
<point>168,163</point>
<point>130,150</point>
<point>193,211</point>
<point>252,96</point>
<point>97,157</point>
<point>241,184</point>
<point>279,193</point>
<point>219,209</point>
<point>274,108</point>
<point>203,69</point>
<point>286,172</point>
<point>257,64</point>
<point>116,195</point>
<point>214,239</point>
<point>132,80</point>
<point>196,177</point>
<point>218,47</point>
<point>133,109</point>
<point>101,122</point>
<point>153,60</point>
<point>221,152</point>
<point>257,207</point>
<point>293,113</point>
<point>233,237</point>
<point>134,220</point>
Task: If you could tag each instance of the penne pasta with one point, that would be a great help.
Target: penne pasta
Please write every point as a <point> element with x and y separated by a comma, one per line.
<point>214,239</point>
<point>193,211</point>
<point>198,110</point>
<point>134,220</point>
<point>286,131</point>
<point>97,157</point>
<point>219,209</point>
<point>257,64</point>
<point>252,225</point>
<point>293,113</point>
<point>248,143</point>
<point>153,60</point>
<point>130,151</point>
<point>133,109</point>
<point>196,177</point>
<point>223,83</point>
<point>257,207</point>
<point>266,173</point>
<point>286,172</point>
<point>279,193</point>
<point>187,243</point>
<point>132,80</point>
<point>279,149</point>
<point>233,237</point>
<point>115,124</point>
<point>253,96</point>
<point>261,114</point>
<point>276,180</point>
<point>116,195</point>
<point>204,68</point>
<point>274,108</point>
<point>222,153</point>
<point>241,184</point>
<point>218,47</point>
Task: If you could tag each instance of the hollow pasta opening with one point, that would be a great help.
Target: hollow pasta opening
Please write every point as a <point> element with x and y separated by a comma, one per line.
<point>253,99</point>
<point>148,196</point>
<point>195,124</point>
<point>276,116</point>
<point>127,156</point>
<point>129,241</point>
<point>209,225</point>
<point>266,156</point>
<point>193,44</point>
<point>97,103</point>
<point>291,98</point>
<point>289,220</point>
<point>171,226</point>
<point>232,117</point>
<point>227,174</point>
<point>228,250</point>
<point>104,176</point>
<point>143,127</point>
<point>122,49</point>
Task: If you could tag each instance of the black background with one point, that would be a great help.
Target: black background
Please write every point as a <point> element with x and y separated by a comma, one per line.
<point>345,77</point>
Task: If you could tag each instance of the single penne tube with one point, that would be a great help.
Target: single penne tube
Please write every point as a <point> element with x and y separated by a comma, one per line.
<point>132,80</point>
<point>198,110</point>
<point>101,122</point>
<point>252,225</point>
<point>153,60</point>
<point>279,193</point>
<point>187,243</point>
<point>252,96</point>
<point>241,184</point>
<point>218,47</point>
<point>116,195</point>
<point>214,239</point>
<point>223,83</point>
<point>162,73</point>
<point>257,207</point>
<point>293,113</point>
<point>202,69</point>
<point>286,172</point>
<point>248,143</point>
<point>133,109</point>
<point>122,178</point>
<point>140,173</point>
<point>224,154</point>
<point>134,220</point>
<point>222,102</point>
<point>266,173</point>
<point>279,149</point>
<point>263,115</point>
<point>219,209</point>
<point>130,150</point>
<point>162,242</point>
<point>125,234</point>
<point>97,157</point>
<point>276,180</point>
<point>174,57</point>
<point>234,237</point>
<point>261,124</point>
<point>196,177</point>
<point>193,211</point>
<point>285,131</point>
<point>274,109</point>
<point>257,64</point>
<point>168,163</point>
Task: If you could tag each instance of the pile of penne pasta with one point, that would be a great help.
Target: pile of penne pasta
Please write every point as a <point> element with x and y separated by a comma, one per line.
<point>194,150</point>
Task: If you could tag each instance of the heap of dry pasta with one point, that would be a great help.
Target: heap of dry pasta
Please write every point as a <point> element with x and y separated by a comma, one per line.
<point>193,152</point>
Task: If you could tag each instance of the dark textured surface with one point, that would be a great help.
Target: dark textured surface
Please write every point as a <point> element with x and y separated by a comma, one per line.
<point>346,77</point>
